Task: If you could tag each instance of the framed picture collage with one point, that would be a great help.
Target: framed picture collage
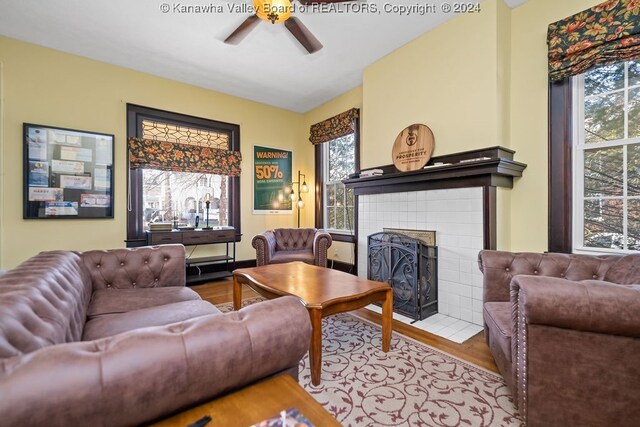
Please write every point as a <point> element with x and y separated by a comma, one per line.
<point>67,173</point>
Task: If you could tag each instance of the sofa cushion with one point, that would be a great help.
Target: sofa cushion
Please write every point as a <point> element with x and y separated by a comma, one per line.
<point>112,324</point>
<point>111,301</point>
<point>291,256</point>
<point>143,267</point>
<point>497,316</point>
<point>293,239</point>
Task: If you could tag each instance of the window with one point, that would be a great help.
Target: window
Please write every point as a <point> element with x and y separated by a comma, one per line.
<point>180,197</point>
<point>606,156</point>
<point>339,161</point>
<point>161,195</point>
<point>169,196</point>
<point>337,154</point>
<point>608,102</point>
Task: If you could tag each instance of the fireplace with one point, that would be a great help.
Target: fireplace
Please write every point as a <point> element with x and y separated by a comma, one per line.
<point>410,267</point>
<point>456,195</point>
<point>456,216</point>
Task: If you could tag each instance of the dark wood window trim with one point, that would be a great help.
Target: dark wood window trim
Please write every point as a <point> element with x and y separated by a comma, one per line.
<point>490,217</point>
<point>135,115</point>
<point>560,166</point>
<point>319,172</point>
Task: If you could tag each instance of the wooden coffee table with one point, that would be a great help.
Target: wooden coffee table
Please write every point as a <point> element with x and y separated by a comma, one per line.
<point>255,403</point>
<point>323,292</point>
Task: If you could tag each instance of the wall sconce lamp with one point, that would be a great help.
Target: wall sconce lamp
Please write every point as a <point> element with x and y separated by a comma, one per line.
<point>297,197</point>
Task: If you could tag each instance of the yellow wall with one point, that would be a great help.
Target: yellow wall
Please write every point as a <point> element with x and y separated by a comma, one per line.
<point>529,123</point>
<point>2,180</point>
<point>455,79</point>
<point>48,87</point>
<point>478,80</point>
<point>447,79</point>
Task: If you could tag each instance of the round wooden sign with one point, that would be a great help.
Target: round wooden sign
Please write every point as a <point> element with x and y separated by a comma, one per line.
<point>413,148</point>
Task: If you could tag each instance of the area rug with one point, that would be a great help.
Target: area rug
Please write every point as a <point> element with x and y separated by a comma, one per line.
<point>411,385</point>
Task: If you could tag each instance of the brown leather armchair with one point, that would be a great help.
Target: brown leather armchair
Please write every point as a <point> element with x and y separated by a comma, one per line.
<point>281,245</point>
<point>565,333</point>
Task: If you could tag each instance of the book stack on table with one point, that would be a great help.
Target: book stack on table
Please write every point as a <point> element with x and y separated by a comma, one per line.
<point>371,172</point>
<point>288,418</point>
<point>160,226</point>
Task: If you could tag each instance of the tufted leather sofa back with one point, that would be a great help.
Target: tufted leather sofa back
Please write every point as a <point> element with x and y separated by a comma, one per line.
<point>292,239</point>
<point>145,267</point>
<point>43,302</point>
<point>500,267</point>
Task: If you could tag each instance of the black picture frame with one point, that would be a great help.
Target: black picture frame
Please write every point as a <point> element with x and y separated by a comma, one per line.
<point>67,173</point>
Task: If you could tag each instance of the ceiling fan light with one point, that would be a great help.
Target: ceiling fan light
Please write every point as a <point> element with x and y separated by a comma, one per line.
<point>274,11</point>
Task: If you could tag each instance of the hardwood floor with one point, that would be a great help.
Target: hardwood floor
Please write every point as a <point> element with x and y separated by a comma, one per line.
<point>473,350</point>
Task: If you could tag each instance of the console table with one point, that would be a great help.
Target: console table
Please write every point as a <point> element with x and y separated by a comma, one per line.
<point>216,235</point>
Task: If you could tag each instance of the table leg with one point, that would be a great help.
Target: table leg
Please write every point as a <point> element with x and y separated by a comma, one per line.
<point>237,293</point>
<point>387,320</point>
<point>315,349</point>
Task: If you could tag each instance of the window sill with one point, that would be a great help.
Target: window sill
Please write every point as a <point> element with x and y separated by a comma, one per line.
<point>602,251</point>
<point>341,237</point>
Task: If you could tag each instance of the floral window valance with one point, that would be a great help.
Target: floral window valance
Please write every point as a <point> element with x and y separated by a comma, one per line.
<point>170,156</point>
<point>335,127</point>
<point>604,34</point>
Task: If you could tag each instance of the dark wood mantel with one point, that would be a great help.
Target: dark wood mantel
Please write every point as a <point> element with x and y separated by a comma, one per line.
<point>488,168</point>
<point>497,170</point>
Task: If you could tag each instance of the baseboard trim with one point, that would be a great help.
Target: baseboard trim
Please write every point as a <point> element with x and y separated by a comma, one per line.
<point>342,266</point>
<point>248,263</point>
<point>194,272</point>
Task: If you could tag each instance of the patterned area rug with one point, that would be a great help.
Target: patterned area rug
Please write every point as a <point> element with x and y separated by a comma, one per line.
<point>411,385</point>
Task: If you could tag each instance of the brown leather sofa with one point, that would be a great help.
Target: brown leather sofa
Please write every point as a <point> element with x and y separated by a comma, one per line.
<point>292,244</point>
<point>115,338</point>
<point>565,333</point>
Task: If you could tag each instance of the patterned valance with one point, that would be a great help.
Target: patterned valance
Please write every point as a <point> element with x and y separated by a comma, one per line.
<point>335,127</point>
<point>170,156</point>
<point>605,34</point>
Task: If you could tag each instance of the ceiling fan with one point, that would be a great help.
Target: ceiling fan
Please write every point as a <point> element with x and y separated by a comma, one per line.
<point>276,11</point>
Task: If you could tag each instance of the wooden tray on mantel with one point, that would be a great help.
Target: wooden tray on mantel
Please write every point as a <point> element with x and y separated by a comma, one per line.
<point>492,166</point>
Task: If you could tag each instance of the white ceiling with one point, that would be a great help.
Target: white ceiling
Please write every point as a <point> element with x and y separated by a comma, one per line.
<point>268,66</point>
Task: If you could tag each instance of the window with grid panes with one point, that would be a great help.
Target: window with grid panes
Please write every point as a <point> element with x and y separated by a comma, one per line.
<point>606,156</point>
<point>338,160</point>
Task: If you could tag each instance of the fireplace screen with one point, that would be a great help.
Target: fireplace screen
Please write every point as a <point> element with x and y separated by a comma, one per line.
<point>410,267</point>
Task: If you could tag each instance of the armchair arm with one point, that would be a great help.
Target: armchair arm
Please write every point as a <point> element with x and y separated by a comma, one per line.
<point>265,246</point>
<point>574,345</point>
<point>143,267</point>
<point>321,242</point>
<point>142,375</point>
<point>590,305</point>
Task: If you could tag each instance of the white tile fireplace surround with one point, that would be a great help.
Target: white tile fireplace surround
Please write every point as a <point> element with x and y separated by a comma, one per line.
<point>457,217</point>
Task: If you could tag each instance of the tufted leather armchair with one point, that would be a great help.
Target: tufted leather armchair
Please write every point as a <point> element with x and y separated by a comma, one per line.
<point>565,333</point>
<point>292,244</point>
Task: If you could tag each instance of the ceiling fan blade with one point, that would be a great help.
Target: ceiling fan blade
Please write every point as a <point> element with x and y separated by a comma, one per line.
<point>302,33</point>
<point>243,30</point>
